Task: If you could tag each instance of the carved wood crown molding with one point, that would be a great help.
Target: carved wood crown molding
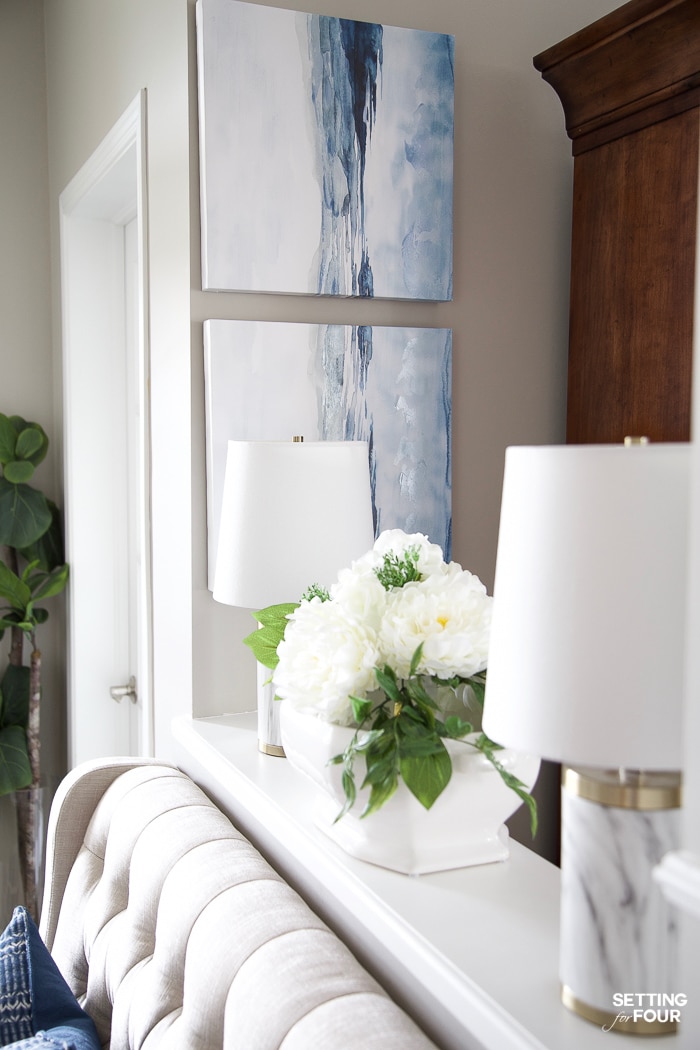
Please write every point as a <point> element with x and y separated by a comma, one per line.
<point>632,68</point>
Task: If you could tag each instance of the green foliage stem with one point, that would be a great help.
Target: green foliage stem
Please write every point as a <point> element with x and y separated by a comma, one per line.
<point>400,735</point>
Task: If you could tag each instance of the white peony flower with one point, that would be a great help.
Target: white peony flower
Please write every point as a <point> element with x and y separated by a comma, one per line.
<point>361,596</point>
<point>325,656</point>
<point>395,541</point>
<point>450,615</point>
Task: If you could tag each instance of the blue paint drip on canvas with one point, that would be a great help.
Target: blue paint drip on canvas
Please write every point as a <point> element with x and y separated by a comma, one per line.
<point>401,403</point>
<point>347,60</point>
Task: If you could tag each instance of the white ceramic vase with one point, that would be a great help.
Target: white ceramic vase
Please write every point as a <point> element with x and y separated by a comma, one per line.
<point>463,827</point>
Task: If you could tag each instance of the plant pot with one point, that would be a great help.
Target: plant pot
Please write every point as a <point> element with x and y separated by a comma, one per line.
<point>463,827</point>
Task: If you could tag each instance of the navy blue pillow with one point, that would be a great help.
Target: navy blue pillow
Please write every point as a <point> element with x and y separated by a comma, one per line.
<point>37,1008</point>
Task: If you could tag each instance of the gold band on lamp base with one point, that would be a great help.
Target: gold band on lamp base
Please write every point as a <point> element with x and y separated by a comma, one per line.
<point>613,1022</point>
<point>271,749</point>
<point>630,789</point>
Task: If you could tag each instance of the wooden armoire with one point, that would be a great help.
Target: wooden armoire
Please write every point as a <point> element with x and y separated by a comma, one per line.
<point>630,88</point>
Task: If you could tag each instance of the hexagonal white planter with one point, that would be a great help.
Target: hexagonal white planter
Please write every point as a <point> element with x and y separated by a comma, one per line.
<point>463,827</point>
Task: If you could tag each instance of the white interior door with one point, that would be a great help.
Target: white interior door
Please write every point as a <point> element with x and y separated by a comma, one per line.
<point>106,448</point>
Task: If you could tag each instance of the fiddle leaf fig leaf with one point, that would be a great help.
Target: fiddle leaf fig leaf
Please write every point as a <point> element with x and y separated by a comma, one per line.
<point>19,471</point>
<point>48,551</point>
<point>24,515</point>
<point>31,444</point>
<point>15,695</point>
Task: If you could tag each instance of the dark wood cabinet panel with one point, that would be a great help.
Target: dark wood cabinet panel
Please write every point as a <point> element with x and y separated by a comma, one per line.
<point>629,88</point>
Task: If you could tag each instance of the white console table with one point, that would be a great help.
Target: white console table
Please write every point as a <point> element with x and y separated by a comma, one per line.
<point>472,954</point>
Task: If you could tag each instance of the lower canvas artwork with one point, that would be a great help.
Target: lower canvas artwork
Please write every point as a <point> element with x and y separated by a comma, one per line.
<point>391,387</point>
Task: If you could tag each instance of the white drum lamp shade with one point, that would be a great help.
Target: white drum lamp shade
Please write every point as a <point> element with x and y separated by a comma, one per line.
<point>293,513</point>
<point>586,663</point>
<point>587,640</point>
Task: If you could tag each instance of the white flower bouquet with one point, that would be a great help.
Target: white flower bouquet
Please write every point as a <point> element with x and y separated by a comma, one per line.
<point>397,649</point>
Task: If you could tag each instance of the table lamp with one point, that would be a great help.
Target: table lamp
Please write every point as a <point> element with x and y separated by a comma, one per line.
<point>293,513</point>
<point>586,668</point>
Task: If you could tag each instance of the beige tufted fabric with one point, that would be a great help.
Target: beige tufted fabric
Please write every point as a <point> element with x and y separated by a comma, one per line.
<point>176,934</point>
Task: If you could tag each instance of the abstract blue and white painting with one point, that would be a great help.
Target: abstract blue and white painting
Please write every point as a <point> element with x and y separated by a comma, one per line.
<point>391,387</point>
<point>326,150</point>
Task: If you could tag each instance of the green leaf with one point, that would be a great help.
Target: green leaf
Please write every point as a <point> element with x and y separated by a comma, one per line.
<point>265,640</point>
<point>15,771</point>
<point>24,515</point>
<point>8,440</point>
<point>416,692</point>
<point>416,737</point>
<point>27,573</point>
<point>53,583</point>
<point>19,471</point>
<point>15,693</point>
<point>415,660</point>
<point>361,708</point>
<point>487,748</point>
<point>48,550</point>
<point>369,740</point>
<point>380,793</point>
<point>477,683</point>
<point>386,680</point>
<point>276,615</point>
<point>455,727</point>
<point>14,590</point>
<point>427,776</point>
<point>348,782</point>
<point>30,442</point>
<point>264,644</point>
<point>380,769</point>
<point>382,776</point>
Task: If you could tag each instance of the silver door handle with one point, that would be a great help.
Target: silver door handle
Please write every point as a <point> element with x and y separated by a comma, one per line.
<point>118,692</point>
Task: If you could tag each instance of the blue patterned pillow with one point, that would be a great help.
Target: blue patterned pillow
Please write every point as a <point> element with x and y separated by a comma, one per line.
<point>38,1011</point>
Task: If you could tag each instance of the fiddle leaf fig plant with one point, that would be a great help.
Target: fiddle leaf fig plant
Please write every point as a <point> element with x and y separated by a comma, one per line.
<point>32,570</point>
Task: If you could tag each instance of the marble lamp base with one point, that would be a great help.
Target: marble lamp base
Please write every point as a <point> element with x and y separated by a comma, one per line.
<point>618,934</point>
<point>269,732</point>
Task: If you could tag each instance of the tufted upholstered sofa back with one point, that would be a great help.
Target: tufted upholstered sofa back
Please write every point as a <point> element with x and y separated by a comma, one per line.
<point>175,934</point>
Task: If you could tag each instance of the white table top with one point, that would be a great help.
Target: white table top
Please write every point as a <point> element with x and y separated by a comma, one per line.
<point>471,953</point>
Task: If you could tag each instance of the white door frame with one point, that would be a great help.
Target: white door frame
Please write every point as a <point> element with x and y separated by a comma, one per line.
<point>102,380</point>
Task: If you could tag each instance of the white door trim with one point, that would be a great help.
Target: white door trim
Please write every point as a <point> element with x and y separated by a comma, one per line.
<point>106,194</point>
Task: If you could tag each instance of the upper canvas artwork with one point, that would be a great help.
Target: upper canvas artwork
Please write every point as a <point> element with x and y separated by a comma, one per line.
<point>325,154</point>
